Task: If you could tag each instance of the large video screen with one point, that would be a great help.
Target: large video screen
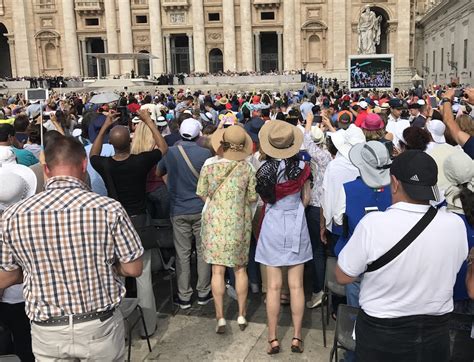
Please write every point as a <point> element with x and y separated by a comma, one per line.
<point>371,72</point>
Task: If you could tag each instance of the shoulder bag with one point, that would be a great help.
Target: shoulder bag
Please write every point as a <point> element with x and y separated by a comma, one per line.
<point>405,242</point>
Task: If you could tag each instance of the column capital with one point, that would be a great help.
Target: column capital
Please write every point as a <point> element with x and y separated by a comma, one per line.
<point>256,33</point>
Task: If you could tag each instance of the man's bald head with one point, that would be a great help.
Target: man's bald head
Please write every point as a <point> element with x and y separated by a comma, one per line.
<point>119,137</point>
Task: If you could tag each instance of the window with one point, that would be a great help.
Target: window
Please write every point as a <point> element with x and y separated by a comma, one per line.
<point>442,59</point>
<point>465,54</point>
<point>92,22</point>
<point>214,16</point>
<point>267,15</point>
<point>434,61</point>
<point>141,19</point>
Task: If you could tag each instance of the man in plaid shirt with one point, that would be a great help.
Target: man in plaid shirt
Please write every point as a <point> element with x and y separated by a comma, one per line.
<point>69,246</point>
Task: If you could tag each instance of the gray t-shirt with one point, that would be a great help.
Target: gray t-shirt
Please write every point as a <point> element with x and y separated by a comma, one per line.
<point>181,181</point>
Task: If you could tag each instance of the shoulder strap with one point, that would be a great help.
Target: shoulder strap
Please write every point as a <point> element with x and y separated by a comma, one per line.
<point>188,161</point>
<point>405,242</point>
<point>223,181</point>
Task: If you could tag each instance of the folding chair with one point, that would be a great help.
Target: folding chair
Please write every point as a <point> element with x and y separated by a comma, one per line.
<point>331,287</point>
<point>132,314</point>
<point>165,241</point>
<point>346,318</point>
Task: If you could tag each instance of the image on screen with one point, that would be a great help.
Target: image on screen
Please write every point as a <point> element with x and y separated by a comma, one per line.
<point>370,73</point>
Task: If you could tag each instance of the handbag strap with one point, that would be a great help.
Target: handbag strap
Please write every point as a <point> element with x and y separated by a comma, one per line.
<point>188,161</point>
<point>405,242</point>
<point>223,182</point>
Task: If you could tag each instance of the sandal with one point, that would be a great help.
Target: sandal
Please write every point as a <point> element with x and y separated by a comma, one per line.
<point>273,349</point>
<point>297,348</point>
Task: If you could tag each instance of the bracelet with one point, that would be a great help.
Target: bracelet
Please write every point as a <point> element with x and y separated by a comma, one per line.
<point>445,100</point>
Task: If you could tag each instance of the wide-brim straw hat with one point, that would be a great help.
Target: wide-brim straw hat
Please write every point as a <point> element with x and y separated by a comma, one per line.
<point>238,142</point>
<point>279,139</point>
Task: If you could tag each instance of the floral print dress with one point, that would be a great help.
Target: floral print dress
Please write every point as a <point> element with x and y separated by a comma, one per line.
<point>226,223</point>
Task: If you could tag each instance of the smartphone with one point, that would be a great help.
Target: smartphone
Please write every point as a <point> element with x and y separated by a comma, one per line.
<point>433,102</point>
<point>459,92</point>
<point>370,209</point>
<point>317,119</point>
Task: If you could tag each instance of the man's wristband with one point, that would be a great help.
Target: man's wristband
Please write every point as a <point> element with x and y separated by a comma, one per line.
<point>445,100</point>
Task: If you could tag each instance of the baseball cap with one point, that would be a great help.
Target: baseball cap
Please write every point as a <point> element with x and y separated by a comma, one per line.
<point>363,104</point>
<point>189,129</point>
<point>395,103</point>
<point>418,173</point>
<point>161,121</point>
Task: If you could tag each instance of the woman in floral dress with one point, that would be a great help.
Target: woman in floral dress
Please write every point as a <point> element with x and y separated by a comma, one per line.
<point>227,184</point>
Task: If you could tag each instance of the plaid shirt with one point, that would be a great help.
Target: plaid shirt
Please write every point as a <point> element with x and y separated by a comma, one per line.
<point>67,240</point>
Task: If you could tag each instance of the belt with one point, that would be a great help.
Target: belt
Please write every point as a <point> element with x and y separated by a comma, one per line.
<point>76,318</point>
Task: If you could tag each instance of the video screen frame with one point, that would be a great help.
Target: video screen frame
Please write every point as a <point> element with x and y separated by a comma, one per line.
<point>364,58</point>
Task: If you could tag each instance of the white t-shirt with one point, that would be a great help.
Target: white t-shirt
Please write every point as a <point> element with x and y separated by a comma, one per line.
<point>421,279</point>
<point>339,171</point>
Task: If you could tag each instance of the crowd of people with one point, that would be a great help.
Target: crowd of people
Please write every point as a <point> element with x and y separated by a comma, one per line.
<point>259,184</point>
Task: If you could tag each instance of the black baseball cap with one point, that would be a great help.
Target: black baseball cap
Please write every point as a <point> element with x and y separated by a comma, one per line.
<point>418,173</point>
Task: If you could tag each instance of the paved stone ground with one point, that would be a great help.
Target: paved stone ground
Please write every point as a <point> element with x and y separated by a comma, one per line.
<point>190,335</point>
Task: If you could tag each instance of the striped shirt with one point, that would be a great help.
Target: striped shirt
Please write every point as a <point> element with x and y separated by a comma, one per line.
<point>66,240</point>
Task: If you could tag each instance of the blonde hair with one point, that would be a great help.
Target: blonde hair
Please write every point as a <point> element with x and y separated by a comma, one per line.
<point>142,139</point>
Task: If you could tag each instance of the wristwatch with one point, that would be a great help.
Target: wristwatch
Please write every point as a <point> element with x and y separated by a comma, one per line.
<point>445,100</point>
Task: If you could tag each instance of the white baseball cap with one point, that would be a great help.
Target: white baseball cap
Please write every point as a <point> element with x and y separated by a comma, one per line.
<point>190,129</point>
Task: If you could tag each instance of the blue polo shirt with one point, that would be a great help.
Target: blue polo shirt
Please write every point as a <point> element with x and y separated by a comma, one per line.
<point>358,197</point>
<point>182,183</point>
<point>460,291</point>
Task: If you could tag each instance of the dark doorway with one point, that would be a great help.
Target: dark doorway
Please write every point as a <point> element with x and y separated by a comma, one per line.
<point>95,45</point>
<point>382,48</point>
<point>216,61</point>
<point>268,51</point>
<point>5,64</point>
<point>180,54</point>
<point>143,66</point>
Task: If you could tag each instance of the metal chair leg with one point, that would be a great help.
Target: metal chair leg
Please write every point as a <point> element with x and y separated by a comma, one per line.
<point>329,301</point>
<point>322,318</point>
<point>144,327</point>
<point>129,341</point>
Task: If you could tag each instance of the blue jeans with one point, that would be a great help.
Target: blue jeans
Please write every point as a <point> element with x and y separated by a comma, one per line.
<point>319,251</point>
<point>418,338</point>
<point>352,294</point>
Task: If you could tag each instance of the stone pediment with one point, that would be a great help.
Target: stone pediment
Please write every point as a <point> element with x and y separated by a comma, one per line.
<point>262,4</point>
<point>314,25</point>
<point>47,34</point>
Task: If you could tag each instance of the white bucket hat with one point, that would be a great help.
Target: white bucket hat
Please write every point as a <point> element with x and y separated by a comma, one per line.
<point>18,183</point>
<point>344,140</point>
<point>437,129</point>
<point>373,161</point>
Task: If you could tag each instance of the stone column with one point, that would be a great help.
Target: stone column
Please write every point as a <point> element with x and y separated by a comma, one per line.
<point>72,62</point>
<point>11,44</point>
<point>168,53</point>
<point>402,50</point>
<point>199,36</point>
<point>85,68</point>
<point>228,20</point>
<point>22,48</point>
<point>126,38</point>
<point>246,40</point>
<point>112,38</point>
<point>106,50</point>
<point>289,34</point>
<point>191,52</point>
<point>257,51</point>
<point>156,36</point>
<point>280,50</point>
<point>339,35</point>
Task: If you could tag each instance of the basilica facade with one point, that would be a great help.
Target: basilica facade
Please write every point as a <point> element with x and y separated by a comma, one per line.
<point>54,37</point>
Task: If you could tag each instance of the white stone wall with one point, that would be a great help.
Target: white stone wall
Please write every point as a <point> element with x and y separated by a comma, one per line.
<point>448,23</point>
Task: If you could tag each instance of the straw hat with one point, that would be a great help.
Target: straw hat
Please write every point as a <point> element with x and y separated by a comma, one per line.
<point>237,142</point>
<point>280,139</point>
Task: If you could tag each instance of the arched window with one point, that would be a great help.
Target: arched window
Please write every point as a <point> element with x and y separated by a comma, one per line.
<point>51,56</point>
<point>216,61</point>
<point>314,48</point>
